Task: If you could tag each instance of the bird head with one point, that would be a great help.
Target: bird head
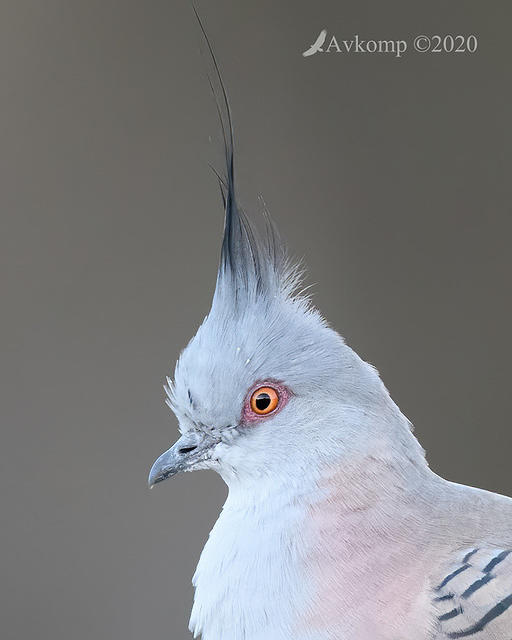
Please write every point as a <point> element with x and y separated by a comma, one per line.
<point>266,389</point>
<point>258,382</point>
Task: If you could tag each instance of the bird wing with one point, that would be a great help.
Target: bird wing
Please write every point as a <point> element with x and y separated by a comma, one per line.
<point>474,597</point>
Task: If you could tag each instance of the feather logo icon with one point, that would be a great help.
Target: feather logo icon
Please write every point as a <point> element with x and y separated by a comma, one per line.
<point>317,45</point>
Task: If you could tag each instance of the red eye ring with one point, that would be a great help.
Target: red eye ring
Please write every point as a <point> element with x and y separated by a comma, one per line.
<point>264,400</point>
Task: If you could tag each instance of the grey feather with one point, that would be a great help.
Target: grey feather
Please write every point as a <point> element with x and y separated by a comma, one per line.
<point>474,599</point>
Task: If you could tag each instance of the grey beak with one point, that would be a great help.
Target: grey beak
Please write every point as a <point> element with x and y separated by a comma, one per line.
<point>184,453</point>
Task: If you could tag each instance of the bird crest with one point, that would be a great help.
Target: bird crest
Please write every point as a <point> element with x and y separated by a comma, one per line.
<point>253,265</point>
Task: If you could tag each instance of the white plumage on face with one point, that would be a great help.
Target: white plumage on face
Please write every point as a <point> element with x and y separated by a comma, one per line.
<point>266,338</point>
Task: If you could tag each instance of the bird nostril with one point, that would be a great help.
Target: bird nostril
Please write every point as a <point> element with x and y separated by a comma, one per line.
<point>187,449</point>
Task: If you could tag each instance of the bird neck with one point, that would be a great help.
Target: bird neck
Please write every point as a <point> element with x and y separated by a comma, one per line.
<point>272,527</point>
<point>363,459</point>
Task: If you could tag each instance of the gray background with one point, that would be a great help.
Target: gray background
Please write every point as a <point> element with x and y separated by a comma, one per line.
<point>390,177</point>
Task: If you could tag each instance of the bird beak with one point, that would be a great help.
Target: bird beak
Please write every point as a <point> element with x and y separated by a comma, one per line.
<point>190,449</point>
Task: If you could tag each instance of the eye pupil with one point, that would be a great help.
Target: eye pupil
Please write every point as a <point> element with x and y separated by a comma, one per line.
<point>262,401</point>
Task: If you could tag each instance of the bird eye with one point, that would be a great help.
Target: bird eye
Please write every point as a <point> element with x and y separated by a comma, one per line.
<point>264,400</point>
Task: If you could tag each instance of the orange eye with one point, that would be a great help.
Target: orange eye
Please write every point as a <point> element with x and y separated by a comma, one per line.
<point>264,400</point>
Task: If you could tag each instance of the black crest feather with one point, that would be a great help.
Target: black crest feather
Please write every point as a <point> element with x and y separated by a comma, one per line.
<point>251,265</point>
